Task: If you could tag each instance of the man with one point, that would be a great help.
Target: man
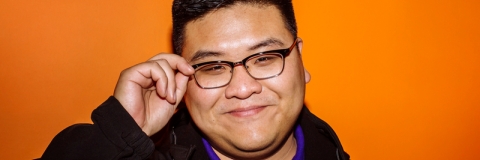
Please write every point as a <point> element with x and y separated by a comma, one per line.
<point>239,71</point>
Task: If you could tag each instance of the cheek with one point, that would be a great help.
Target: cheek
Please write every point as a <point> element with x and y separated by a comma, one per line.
<point>290,82</point>
<point>200,101</point>
<point>290,86</point>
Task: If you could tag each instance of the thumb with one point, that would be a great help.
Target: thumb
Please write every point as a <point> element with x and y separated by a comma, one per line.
<point>181,81</point>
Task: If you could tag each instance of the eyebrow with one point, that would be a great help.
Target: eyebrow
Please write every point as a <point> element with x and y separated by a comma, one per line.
<point>267,42</point>
<point>204,53</point>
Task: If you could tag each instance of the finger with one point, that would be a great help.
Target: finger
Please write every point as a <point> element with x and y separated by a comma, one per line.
<point>160,77</point>
<point>145,75</point>
<point>169,82</point>
<point>181,81</point>
<point>132,83</point>
<point>176,62</point>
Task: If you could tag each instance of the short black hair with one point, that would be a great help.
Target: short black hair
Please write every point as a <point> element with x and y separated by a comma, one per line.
<point>185,11</point>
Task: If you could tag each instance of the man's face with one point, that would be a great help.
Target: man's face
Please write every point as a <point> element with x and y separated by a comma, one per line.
<point>248,117</point>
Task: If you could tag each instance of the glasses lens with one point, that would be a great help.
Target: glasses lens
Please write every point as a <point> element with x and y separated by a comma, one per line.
<point>261,66</point>
<point>265,65</point>
<point>213,75</point>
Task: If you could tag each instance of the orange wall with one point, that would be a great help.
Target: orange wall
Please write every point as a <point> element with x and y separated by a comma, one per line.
<point>396,79</point>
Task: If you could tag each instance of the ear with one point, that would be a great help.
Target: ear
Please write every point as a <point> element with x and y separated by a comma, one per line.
<point>300,47</point>
<point>307,76</point>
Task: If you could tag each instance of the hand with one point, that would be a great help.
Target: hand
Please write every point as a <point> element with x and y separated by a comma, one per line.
<point>151,91</point>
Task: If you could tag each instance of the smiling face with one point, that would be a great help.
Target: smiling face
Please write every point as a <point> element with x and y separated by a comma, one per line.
<point>246,118</point>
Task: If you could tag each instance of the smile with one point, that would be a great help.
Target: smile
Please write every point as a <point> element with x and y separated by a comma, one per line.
<point>245,112</point>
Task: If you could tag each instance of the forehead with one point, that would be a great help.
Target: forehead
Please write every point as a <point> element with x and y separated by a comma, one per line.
<point>234,29</point>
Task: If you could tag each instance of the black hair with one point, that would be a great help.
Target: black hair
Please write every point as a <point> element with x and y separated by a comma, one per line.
<point>185,11</point>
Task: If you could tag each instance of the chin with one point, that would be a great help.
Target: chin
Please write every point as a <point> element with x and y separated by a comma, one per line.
<point>261,148</point>
<point>254,145</point>
<point>254,138</point>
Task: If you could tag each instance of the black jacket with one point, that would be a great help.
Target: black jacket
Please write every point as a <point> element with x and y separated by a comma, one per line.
<point>115,135</point>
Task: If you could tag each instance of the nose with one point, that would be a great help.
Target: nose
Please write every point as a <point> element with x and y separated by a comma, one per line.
<point>242,85</point>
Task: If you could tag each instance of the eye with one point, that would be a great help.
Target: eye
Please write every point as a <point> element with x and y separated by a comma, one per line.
<point>213,69</point>
<point>266,59</point>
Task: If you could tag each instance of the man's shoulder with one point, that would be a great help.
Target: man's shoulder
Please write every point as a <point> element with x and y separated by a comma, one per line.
<point>320,138</point>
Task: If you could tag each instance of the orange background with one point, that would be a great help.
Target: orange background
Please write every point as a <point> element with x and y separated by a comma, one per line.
<point>396,79</point>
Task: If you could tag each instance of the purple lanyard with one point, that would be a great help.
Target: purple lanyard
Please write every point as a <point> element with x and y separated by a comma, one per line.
<point>299,155</point>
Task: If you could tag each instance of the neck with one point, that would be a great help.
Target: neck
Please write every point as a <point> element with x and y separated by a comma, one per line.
<point>291,149</point>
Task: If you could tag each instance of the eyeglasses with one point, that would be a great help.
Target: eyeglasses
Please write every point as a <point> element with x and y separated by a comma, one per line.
<point>263,65</point>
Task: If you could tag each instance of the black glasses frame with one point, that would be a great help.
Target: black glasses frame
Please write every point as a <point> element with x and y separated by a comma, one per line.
<point>283,52</point>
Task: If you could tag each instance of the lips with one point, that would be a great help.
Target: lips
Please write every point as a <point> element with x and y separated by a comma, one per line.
<point>248,111</point>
